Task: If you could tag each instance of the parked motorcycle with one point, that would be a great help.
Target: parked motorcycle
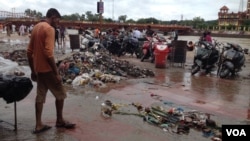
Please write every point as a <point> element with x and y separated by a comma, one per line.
<point>205,58</point>
<point>231,61</point>
<point>130,45</point>
<point>149,46</point>
<point>114,44</point>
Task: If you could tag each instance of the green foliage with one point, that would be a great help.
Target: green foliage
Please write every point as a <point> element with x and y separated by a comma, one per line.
<point>122,18</point>
<point>109,20</point>
<point>91,17</point>
<point>246,23</point>
<point>231,27</point>
<point>196,23</point>
<point>130,21</point>
<point>186,22</point>
<point>148,21</point>
<point>33,13</point>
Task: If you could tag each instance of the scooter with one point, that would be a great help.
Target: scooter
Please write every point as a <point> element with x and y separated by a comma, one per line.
<point>114,44</point>
<point>231,61</point>
<point>129,45</point>
<point>147,49</point>
<point>205,57</point>
<point>150,44</point>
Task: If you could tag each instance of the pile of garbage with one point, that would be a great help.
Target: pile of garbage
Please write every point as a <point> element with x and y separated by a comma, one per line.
<point>82,68</point>
<point>97,69</point>
<point>172,120</point>
<point>18,56</point>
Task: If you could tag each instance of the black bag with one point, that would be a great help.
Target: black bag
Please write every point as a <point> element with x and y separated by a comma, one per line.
<point>14,88</point>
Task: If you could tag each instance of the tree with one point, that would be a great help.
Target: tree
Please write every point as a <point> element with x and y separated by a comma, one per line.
<point>33,13</point>
<point>72,17</point>
<point>173,22</point>
<point>122,18</point>
<point>91,17</point>
<point>108,20</point>
<point>76,17</point>
<point>148,21</point>
<point>186,23</point>
<point>198,22</point>
<point>39,15</point>
<point>27,12</point>
<point>82,17</point>
<point>130,21</point>
<point>246,23</point>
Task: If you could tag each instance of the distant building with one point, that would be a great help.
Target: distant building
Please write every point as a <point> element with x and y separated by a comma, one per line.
<point>248,9</point>
<point>6,14</point>
<point>227,18</point>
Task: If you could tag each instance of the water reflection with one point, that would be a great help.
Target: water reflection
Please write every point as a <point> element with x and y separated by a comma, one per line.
<point>248,111</point>
<point>228,89</point>
<point>204,85</point>
<point>160,76</point>
<point>176,75</point>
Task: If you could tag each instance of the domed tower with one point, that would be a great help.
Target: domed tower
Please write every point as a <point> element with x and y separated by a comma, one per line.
<point>223,15</point>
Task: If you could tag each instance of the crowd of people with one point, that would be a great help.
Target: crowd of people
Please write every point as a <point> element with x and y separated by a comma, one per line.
<point>21,30</point>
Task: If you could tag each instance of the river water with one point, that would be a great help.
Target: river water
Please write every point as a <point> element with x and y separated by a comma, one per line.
<point>244,42</point>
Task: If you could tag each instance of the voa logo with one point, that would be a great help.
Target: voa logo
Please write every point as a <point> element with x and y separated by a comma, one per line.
<point>236,132</point>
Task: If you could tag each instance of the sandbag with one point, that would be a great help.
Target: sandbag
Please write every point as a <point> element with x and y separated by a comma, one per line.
<point>14,88</point>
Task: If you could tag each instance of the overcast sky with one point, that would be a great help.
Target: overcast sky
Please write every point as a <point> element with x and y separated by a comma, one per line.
<point>164,10</point>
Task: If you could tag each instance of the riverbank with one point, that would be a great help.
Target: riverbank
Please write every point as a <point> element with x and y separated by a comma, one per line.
<point>221,35</point>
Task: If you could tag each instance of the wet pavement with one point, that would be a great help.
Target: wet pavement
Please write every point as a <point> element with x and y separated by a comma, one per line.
<point>228,101</point>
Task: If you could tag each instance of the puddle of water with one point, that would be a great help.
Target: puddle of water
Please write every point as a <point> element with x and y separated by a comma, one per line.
<point>200,102</point>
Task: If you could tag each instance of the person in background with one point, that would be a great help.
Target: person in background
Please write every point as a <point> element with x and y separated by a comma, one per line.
<point>57,37</point>
<point>149,31</point>
<point>130,33</point>
<point>190,46</point>
<point>203,36</point>
<point>208,37</point>
<point>62,32</point>
<point>31,28</point>
<point>13,28</point>
<point>97,33</point>
<point>8,29</point>
<point>40,54</point>
<point>80,30</point>
<point>136,33</point>
<point>175,35</point>
<point>22,30</point>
